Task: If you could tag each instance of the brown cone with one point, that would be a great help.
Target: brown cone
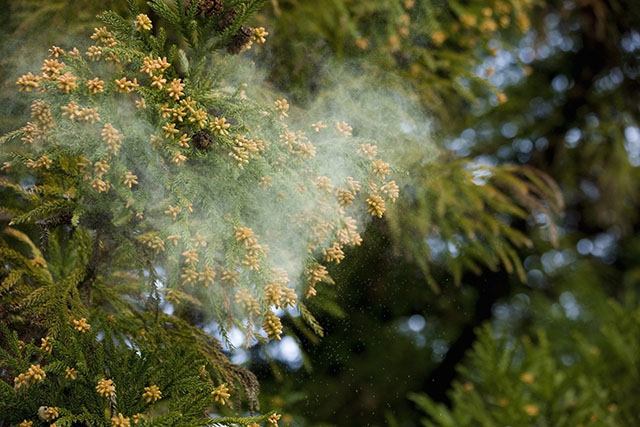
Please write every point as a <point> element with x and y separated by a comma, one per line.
<point>226,19</point>
<point>240,40</point>
<point>210,7</point>
<point>207,8</point>
<point>202,139</point>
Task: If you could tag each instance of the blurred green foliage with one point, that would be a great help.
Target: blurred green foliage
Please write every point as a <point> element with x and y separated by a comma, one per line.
<point>433,45</point>
<point>577,366</point>
<point>570,110</point>
<point>28,29</point>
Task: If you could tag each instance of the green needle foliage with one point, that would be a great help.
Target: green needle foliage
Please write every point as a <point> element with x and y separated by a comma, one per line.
<point>27,30</point>
<point>153,196</point>
<point>46,299</point>
<point>507,381</point>
<point>435,46</point>
<point>75,363</point>
<point>469,214</point>
<point>165,201</point>
<point>480,212</point>
<point>435,53</point>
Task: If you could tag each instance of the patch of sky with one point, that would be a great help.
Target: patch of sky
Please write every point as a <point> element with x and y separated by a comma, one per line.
<point>632,144</point>
<point>572,137</point>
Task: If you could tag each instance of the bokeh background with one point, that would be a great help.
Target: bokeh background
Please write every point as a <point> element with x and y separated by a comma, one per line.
<point>504,289</point>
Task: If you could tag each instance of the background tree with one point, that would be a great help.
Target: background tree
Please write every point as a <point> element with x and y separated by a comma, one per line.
<point>557,78</point>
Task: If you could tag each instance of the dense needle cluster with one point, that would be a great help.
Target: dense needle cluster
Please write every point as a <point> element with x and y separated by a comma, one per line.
<point>223,173</point>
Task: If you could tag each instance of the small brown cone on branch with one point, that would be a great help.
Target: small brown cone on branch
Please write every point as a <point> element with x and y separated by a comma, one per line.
<point>207,8</point>
<point>202,139</point>
<point>226,19</point>
<point>240,40</point>
<point>210,7</point>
